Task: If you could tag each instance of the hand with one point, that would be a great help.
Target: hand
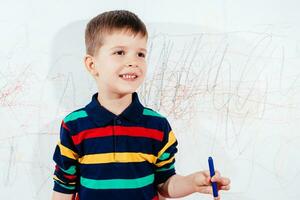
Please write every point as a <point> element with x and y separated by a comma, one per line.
<point>202,182</point>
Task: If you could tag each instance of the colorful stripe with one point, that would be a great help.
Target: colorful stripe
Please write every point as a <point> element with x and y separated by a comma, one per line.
<point>152,113</point>
<point>70,177</point>
<point>71,170</point>
<point>123,157</point>
<point>117,183</point>
<point>64,125</point>
<point>67,152</point>
<point>119,131</point>
<point>160,164</point>
<point>164,156</point>
<point>165,169</point>
<point>171,140</point>
<point>75,115</point>
<point>57,179</point>
<point>66,187</point>
<point>155,198</point>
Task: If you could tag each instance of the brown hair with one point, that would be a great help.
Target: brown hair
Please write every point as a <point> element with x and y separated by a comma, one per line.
<point>106,23</point>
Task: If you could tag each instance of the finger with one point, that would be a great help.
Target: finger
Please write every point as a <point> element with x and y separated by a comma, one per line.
<point>216,177</point>
<point>221,180</point>
<point>206,173</point>
<point>226,187</point>
<point>207,179</point>
<point>217,173</point>
<point>225,181</point>
<point>204,190</point>
<point>217,198</point>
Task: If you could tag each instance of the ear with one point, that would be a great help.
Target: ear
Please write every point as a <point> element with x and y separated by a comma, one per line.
<point>89,62</point>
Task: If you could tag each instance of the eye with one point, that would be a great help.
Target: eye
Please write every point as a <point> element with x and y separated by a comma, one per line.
<point>141,55</point>
<point>120,52</point>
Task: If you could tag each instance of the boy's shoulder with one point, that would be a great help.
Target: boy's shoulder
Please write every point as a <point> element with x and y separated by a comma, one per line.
<point>75,120</point>
<point>74,115</point>
<point>156,120</point>
<point>151,112</point>
<point>156,116</point>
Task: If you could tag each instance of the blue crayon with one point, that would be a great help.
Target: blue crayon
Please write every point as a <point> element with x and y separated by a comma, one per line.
<point>212,173</point>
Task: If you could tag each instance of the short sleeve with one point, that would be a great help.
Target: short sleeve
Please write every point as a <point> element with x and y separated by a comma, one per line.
<point>66,160</point>
<point>165,163</point>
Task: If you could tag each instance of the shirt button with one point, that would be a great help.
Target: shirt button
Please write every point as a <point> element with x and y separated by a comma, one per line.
<point>119,121</point>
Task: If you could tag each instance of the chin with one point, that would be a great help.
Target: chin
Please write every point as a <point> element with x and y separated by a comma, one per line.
<point>125,92</point>
<point>124,89</point>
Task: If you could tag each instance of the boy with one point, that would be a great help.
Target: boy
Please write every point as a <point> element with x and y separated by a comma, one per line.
<point>114,147</point>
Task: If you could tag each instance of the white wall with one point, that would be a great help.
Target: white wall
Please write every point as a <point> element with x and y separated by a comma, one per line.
<point>230,88</point>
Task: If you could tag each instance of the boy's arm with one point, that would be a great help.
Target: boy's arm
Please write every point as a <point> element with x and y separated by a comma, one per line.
<point>66,159</point>
<point>61,196</point>
<point>179,186</point>
<point>176,186</point>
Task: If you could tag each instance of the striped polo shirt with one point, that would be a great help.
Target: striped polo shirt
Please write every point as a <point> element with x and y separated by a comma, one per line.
<point>103,156</point>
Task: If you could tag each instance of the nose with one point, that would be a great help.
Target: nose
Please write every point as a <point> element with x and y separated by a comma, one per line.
<point>132,63</point>
<point>132,60</point>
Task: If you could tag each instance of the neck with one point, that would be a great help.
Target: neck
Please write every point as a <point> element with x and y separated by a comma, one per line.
<point>115,103</point>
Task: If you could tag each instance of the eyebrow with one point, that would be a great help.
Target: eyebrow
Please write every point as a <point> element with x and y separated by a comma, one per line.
<point>124,47</point>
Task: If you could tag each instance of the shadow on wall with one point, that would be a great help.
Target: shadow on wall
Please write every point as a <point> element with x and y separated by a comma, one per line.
<point>72,85</point>
<point>69,86</point>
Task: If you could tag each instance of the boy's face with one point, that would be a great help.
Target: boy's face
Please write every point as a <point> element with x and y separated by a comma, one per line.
<point>121,63</point>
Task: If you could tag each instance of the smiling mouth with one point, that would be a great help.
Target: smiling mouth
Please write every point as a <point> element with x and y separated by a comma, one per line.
<point>128,76</point>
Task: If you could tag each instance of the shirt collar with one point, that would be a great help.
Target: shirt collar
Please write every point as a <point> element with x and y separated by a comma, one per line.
<point>101,116</point>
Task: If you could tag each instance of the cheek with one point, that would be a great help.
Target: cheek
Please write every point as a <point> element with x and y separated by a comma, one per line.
<point>106,67</point>
<point>145,70</point>
<point>143,66</point>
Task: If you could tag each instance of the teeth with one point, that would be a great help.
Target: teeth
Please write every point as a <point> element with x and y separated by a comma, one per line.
<point>128,76</point>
